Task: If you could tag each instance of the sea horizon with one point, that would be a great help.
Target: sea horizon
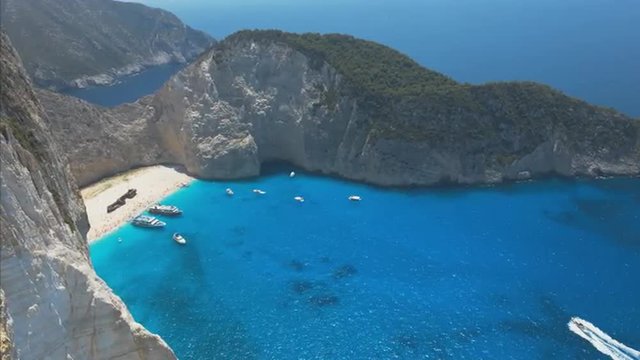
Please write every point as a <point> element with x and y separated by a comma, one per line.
<point>586,49</point>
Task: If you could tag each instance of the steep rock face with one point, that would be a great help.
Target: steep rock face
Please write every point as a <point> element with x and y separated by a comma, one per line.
<point>57,306</point>
<point>339,105</point>
<point>255,99</point>
<point>76,43</point>
<point>100,142</point>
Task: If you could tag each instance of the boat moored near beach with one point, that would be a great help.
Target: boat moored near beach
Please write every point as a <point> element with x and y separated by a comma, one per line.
<point>229,191</point>
<point>292,174</point>
<point>147,221</point>
<point>165,210</point>
<point>179,239</point>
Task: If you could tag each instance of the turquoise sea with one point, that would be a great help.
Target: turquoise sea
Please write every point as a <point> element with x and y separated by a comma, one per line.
<point>465,273</point>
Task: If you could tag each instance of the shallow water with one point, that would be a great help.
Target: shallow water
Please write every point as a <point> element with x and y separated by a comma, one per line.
<point>485,272</point>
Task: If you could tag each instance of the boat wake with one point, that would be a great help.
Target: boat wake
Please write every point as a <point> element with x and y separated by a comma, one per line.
<point>601,341</point>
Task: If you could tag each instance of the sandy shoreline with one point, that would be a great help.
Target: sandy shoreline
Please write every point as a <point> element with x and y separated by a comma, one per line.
<point>153,183</point>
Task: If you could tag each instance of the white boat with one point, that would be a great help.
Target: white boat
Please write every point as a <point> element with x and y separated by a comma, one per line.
<point>147,221</point>
<point>259,192</point>
<point>601,340</point>
<point>165,210</point>
<point>179,239</point>
<point>184,185</point>
<point>298,199</point>
<point>229,192</point>
<point>355,198</point>
<point>292,174</point>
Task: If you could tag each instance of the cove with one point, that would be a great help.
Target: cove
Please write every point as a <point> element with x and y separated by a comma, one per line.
<point>129,88</point>
<point>461,273</point>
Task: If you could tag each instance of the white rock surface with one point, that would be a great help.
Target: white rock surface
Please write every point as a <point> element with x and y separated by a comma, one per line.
<point>59,308</point>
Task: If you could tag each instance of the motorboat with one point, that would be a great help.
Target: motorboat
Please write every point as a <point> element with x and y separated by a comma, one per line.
<point>229,192</point>
<point>292,174</point>
<point>165,210</point>
<point>259,192</point>
<point>354,198</point>
<point>147,221</point>
<point>184,185</point>
<point>179,239</point>
<point>298,199</point>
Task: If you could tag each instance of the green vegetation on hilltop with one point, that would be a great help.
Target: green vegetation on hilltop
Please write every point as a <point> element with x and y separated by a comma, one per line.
<point>406,101</point>
<point>370,67</point>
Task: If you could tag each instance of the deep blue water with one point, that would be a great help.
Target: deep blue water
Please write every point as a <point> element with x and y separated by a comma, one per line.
<point>128,89</point>
<point>587,48</point>
<point>469,273</point>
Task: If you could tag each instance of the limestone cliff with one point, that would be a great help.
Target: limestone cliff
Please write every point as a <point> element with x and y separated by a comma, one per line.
<point>339,105</point>
<point>55,304</point>
<point>76,43</point>
<point>100,142</point>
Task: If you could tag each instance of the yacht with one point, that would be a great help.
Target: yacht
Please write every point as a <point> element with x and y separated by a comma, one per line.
<point>229,192</point>
<point>292,174</point>
<point>165,210</point>
<point>298,199</point>
<point>147,221</point>
<point>259,192</point>
<point>355,198</point>
<point>179,239</point>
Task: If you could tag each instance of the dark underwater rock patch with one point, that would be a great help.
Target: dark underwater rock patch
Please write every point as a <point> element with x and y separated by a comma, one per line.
<point>302,286</point>
<point>323,300</point>
<point>297,265</point>
<point>344,271</point>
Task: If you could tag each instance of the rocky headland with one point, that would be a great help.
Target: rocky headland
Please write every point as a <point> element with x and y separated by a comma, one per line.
<point>339,105</point>
<point>79,43</point>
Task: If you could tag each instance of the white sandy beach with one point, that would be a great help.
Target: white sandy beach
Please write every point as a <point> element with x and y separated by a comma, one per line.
<point>153,183</point>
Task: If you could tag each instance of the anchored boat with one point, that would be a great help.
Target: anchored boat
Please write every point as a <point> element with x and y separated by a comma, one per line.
<point>229,191</point>
<point>147,221</point>
<point>179,239</point>
<point>355,198</point>
<point>165,210</point>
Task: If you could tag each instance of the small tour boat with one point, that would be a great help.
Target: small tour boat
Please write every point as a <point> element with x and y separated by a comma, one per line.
<point>259,192</point>
<point>147,221</point>
<point>229,192</point>
<point>184,185</point>
<point>355,198</point>
<point>292,174</point>
<point>298,199</point>
<point>179,239</point>
<point>165,210</point>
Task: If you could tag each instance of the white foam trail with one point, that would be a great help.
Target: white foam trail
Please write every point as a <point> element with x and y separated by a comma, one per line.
<point>601,341</point>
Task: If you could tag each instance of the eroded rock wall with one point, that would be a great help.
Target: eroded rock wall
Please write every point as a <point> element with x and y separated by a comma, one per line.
<point>59,308</point>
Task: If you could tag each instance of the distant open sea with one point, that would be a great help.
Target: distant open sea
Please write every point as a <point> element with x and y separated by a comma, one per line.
<point>467,273</point>
<point>587,48</point>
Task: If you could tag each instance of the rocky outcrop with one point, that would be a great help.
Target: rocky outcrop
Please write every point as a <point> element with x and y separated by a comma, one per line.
<point>264,96</point>
<point>100,142</point>
<point>55,304</point>
<point>77,43</point>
